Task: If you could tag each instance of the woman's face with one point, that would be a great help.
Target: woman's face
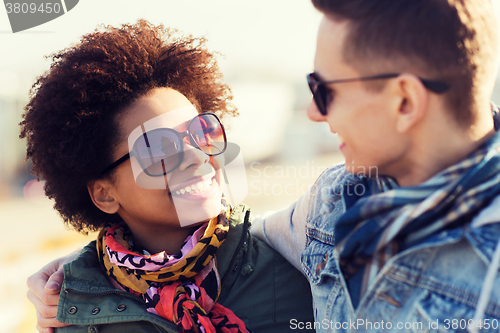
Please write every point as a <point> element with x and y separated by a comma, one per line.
<point>189,194</point>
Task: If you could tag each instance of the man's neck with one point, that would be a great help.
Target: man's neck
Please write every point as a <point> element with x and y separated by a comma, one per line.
<point>439,143</point>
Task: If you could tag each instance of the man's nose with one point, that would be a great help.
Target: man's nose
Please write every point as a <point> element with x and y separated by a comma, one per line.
<point>313,112</point>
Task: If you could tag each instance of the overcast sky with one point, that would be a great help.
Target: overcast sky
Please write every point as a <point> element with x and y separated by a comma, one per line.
<point>256,37</point>
<point>277,34</point>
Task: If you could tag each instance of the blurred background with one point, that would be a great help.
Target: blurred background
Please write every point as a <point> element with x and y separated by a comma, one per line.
<point>267,48</point>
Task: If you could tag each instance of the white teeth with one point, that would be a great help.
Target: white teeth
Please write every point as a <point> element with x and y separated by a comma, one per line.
<point>195,188</point>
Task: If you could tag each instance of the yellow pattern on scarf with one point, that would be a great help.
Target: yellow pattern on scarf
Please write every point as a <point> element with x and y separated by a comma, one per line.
<point>180,270</point>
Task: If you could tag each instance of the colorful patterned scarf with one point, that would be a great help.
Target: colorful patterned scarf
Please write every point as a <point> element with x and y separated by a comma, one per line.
<point>383,219</point>
<point>181,288</point>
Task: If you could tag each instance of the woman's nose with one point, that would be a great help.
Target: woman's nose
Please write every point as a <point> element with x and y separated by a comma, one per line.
<point>192,156</point>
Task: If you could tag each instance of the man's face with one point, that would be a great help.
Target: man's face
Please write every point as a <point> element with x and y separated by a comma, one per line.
<point>363,119</point>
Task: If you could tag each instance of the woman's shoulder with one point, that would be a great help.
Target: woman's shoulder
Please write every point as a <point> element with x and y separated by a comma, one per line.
<point>90,303</point>
<point>257,283</point>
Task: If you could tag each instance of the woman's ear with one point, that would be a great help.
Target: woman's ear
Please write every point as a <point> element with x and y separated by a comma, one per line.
<point>414,99</point>
<point>101,194</point>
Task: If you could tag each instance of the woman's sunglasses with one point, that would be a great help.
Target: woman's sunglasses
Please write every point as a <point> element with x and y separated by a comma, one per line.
<point>161,150</point>
<point>320,90</point>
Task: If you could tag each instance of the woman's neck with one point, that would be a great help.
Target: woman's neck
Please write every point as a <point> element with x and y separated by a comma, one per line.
<point>156,240</point>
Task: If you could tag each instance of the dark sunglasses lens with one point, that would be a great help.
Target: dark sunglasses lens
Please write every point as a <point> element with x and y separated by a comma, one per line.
<point>208,133</point>
<point>320,98</point>
<point>158,151</point>
<point>319,92</point>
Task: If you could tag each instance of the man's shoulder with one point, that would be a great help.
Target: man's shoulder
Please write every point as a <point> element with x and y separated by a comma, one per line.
<point>329,184</point>
<point>480,236</point>
<point>488,215</point>
<point>484,230</point>
<point>326,193</point>
<point>334,174</point>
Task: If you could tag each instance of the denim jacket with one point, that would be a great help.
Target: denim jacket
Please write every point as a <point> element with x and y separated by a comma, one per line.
<point>432,287</point>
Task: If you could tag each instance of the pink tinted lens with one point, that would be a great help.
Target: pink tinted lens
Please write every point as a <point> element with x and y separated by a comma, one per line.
<point>208,133</point>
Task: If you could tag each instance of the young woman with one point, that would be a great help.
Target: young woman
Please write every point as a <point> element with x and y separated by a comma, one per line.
<point>124,129</point>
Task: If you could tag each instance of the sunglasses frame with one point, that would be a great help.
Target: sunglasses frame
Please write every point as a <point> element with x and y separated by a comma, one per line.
<point>181,136</point>
<point>315,83</point>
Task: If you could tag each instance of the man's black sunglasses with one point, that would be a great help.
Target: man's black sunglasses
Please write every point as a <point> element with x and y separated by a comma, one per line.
<point>320,91</point>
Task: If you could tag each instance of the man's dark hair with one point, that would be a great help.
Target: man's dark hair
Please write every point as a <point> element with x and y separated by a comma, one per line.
<point>70,122</point>
<point>448,40</point>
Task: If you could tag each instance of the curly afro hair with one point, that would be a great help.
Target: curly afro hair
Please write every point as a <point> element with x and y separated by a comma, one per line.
<point>70,121</point>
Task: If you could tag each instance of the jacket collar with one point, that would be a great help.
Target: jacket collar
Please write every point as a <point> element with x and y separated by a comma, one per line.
<point>484,231</point>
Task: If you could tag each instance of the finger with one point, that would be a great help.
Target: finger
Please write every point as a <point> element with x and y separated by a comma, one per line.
<point>54,283</point>
<point>45,311</point>
<point>43,298</point>
<point>36,283</point>
<point>47,329</point>
<point>47,323</point>
<point>44,330</point>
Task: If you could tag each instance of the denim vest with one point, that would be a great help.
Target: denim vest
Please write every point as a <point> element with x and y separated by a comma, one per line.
<point>433,287</point>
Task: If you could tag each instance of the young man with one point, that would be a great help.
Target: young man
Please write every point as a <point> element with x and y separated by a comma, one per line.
<point>403,237</point>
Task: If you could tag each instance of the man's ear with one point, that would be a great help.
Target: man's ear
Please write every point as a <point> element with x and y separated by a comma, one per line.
<point>413,102</point>
<point>101,193</point>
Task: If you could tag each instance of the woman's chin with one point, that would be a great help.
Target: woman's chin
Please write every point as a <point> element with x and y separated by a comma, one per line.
<point>195,219</point>
<point>191,213</point>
